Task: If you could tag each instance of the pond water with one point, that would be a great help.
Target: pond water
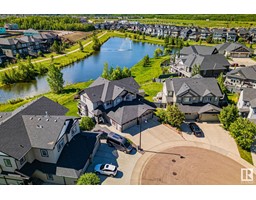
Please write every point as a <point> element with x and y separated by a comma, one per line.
<point>116,52</point>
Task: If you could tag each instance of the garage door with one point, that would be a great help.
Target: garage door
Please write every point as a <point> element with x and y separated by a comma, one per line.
<point>129,124</point>
<point>191,116</point>
<point>209,118</point>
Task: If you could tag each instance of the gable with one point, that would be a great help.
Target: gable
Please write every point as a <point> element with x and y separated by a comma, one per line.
<point>241,49</point>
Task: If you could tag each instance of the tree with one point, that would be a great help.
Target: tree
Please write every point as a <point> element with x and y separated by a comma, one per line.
<point>228,115</point>
<point>244,132</point>
<point>209,39</point>
<point>167,51</point>
<point>56,47</point>
<point>88,179</point>
<point>171,115</point>
<point>220,81</point>
<point>81,47</point>
<point>196,70</point>
<point>87,123</point>
<point>126,72</point>
<point>116,74</point>
<point>158,52</point>
<point>166,40</point>
<point>143,37</point>
<point>145,61</point>
<point>105,74</point>
<point>175,116</point>
<point>96,43</point>
<point>55,79</point>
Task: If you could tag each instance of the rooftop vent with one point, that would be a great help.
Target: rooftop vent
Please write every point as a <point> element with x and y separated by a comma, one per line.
<point>47,119</point>
<point>0,116</point>
<point>39,119</point>
<point>31,118</point>
<point>55,120</point>
<point>39,126</point>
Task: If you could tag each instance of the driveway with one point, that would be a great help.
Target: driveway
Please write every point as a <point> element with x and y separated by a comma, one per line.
<point>215,135</point>
<point>243,61</point>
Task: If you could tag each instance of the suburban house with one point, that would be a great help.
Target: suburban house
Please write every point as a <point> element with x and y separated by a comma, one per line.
<point>194,36</point>
<point>243,33</point>
<point>117,102</point>
<point>2,30</point>
<point>234,50</point>
<point>198,49</point>
<point>197,97</point>
<point>231,36</point>
<point>40,144</point>
<point>219,34</point>
<point>27,45</point>
<point>209,65</point>
<point>241,78</point>
<point>247,103</point>
<point>11,26</point>
<point>204,34</point>
<point>185,33</point>
<point>30,32</point>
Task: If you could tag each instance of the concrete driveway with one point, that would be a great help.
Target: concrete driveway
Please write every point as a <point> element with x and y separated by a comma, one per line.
<point>243,61</point>
<point>110,155</point>
<point>215,135</point>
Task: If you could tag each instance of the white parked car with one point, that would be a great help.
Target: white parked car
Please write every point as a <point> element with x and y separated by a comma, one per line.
<point>106,169</point>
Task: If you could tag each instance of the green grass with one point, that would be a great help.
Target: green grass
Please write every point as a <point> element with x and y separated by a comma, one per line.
<point>151,89</point>
<point>246,155</point>
<point>66,99</point>
<point>146,74</point>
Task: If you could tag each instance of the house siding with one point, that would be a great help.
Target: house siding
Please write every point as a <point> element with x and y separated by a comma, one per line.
<point>5,168</point>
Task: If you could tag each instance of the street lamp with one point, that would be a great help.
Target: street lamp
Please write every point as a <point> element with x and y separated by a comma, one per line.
<point>140,148</point>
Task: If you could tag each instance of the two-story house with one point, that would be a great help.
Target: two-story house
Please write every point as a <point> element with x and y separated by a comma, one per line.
<point>116,102</point>
<point>197,97</point>
<point>234,50</point>
<point>209,65</point>
<point>247,103</point>
<point>219,34</point>
<point>38,142</point>
<point>198,49</point>
<point>231,36</point>
<point>241,78</point>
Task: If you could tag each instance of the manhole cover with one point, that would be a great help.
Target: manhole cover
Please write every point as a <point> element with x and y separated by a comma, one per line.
<point>173,160</point>
<point>174,173</point>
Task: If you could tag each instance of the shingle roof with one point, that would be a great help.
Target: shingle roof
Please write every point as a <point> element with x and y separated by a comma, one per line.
<point>4,116</point>
<point>68,165</point>
<point>105,90</point>
<point>249,94</point>
<point>8,41</point>
<point>198,49</point>
<point>230,47</point>
<point>43,131</point>
<point>14,138</point>
<point>128,111</point>
<point>198,109</point>
<point>244,73</point>
<point>197,85</point>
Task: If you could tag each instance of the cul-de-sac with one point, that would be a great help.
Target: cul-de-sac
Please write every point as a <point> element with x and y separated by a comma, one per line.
<point>128,99</point>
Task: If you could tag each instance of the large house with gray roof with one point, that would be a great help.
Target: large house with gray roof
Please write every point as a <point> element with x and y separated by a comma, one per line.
<point>117,102</point>
<point>197,97</point>
<point>234,50</point>
<point>40,144</point>
<point>241,78</point>
<point>247,104</point>
<point>198,50</point>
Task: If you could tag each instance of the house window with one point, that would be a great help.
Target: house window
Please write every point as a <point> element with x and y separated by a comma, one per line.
<point>44,153</point>
<point>186,99</point>
<point>49,177</point>
<point>194,98</point>
<point>7,163</point>
<point>60,145</point>
<point>22,160</point>
<point>73,130</point>
<point>216,98</point>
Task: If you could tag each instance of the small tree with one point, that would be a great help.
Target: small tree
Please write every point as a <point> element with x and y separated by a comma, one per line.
<point>126,72</point>
<point>146,61</point>
<point>105,74</point>
<point>87,123</point>
<point>196,70</point>
<point>244,132</point>
<point>81,47</point>
<point>55,79</point>
<point>56,47</point>
<point>88,179</point>
<point>175,116</point>
<point>162,115</point>
<point>228,115</point>
<point>220,81</point>
<point>209,39</point>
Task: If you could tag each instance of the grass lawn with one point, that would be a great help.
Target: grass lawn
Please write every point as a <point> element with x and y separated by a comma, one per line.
<point>151,89</point>
<point>146,74</point>
<point>246,155</point>
<point>66,99</point>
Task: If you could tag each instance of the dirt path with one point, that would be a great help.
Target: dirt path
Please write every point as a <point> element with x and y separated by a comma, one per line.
<point>200,166</point>
<point>46,59</point>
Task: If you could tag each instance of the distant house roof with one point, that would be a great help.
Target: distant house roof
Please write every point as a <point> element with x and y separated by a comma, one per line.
<point>247,73</point>
<point>199,108</point>
<point>71,161</point>
<point>200,86</point>
<point>249,94</point>
<point>8,41</point>
<point>206,62</point>
<point>232,47</point>
<point>15,141</point>
<point>198,49</point>
<point>104,90</point>
<point>127,111</point>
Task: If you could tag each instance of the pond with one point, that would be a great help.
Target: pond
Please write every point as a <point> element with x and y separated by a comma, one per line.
<point>116,52</point>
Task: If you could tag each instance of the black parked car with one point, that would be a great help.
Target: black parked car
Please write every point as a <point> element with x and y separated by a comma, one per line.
<point>196,130</point>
